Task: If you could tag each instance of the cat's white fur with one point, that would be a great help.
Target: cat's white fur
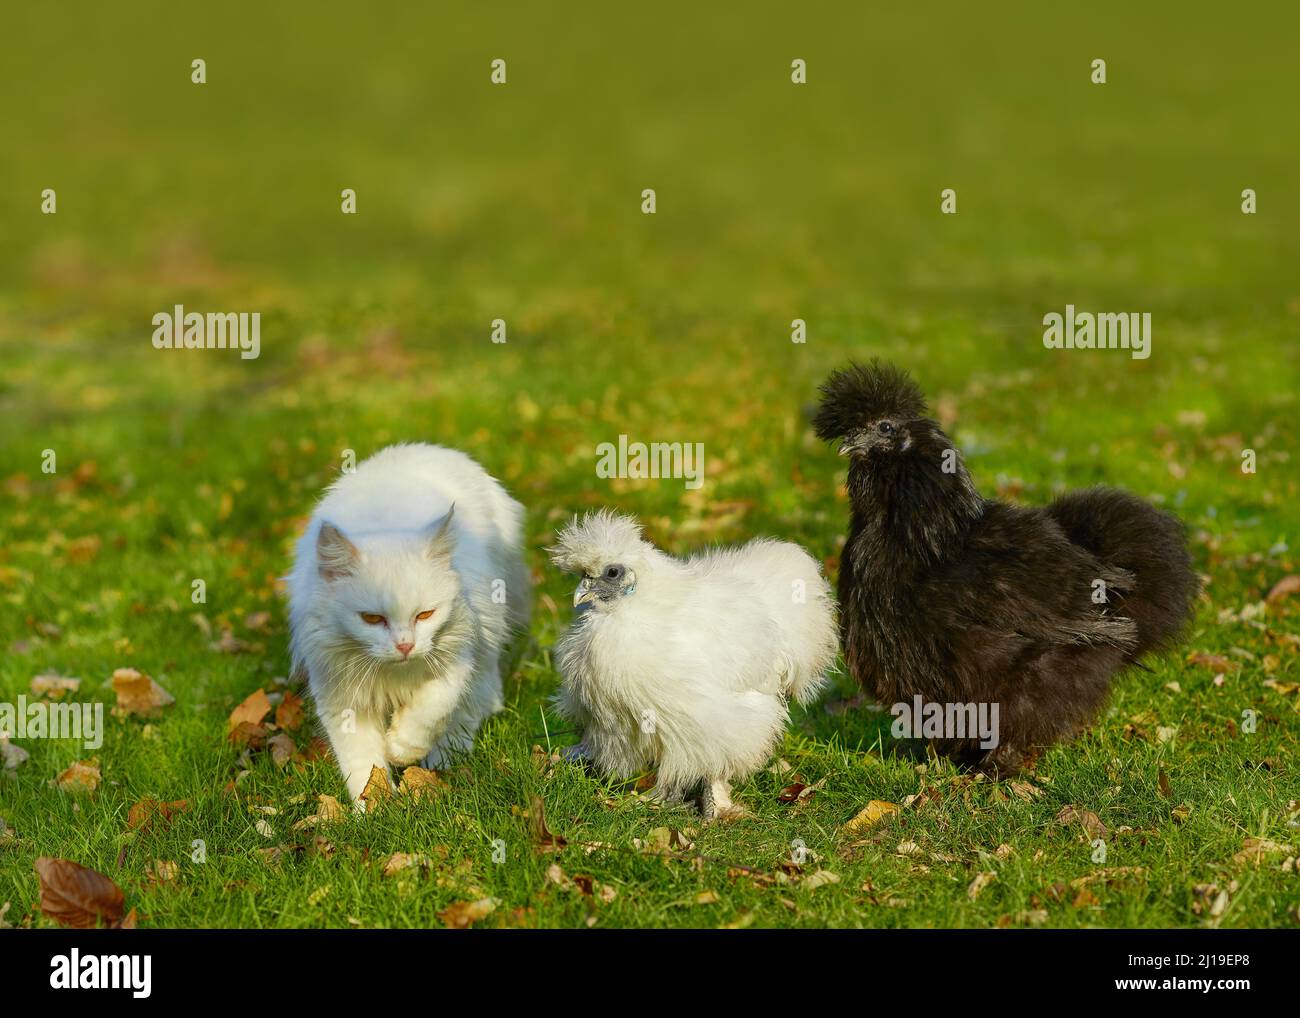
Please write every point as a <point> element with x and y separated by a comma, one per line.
<point>386,540</point>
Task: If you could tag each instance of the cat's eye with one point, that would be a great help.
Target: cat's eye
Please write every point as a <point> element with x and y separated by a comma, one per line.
<point>370,618</point>
<point>425,615</point>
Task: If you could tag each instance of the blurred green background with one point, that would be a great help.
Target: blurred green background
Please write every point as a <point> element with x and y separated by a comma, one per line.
<point>522,202</point>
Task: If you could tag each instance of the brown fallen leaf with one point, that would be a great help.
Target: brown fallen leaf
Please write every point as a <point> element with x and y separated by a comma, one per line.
<point>288,712</point>
<point>400,861</point>
<point>1162,785</point>
<point>1088,820</point>
<point>419,783</point>
<point>162,871</point>
<point>229,643</point>
<point>870,815</point>
<point>819,879</point>
<point>981,881</point>
<point>82,776</point>
<point>378,789</point>
<point>77,896</point>
<point>328,811</point>
<point>543,839</point>
<point>257,621</point>
<point>1111,875</point>
<point>255,707</point>
<point>1085,899</point>
<point>54,686</point>
<point>663,840</point>
<point>1214,662</point>
<point>138,695</point>
<point>147,813</point>
<point>1025,790</point>
<point>1283,587</point>
<point>555,875</point>
<point>464,914</point>
<point>247,734</point>
<point>1255,850</point>
<point>11,756</point>
<point>282,748</point>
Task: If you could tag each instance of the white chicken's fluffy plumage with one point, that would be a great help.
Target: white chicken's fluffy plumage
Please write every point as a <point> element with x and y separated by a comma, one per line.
<point>687,665</point>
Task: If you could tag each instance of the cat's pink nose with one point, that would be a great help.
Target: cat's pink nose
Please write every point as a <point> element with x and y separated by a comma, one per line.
<point>405,648</point>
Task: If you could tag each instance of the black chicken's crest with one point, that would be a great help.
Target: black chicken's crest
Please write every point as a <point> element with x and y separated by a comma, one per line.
<point>861,393</point>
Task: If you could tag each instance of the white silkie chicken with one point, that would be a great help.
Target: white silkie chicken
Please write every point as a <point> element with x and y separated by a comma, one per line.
<point>688,665</point>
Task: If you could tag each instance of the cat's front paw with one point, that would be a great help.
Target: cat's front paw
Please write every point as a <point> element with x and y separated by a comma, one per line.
<point>403,751</point>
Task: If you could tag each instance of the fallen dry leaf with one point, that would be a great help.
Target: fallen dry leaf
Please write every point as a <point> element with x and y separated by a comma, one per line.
<point>1024,789</point>
<point>1084,899</point>
<point>870,815</point>
<point>147,813</point>
<point>1283,587</point>
<point>378,789</point>
<point>282,748</point>
<point>464,914</point>
<point>76,896</point>
<point>255,707</point>
<point>1214,662</point>
<point>400,861</point>
<point>543,839</point>
<point>819,879</point>
<point>247,734</point>
<point>1088,820</point>
<point>328,811</point>
<point>229,643</point>
<point>420,783</point>
<point>981,881</point>
<point>257,621</point>
<point>288,712</point>
<point>138,694</point>
<point>162,871</point>
<point>1255,850</point>
<point>54,686</point>
<point>82,776</point>
<point>11,756</point>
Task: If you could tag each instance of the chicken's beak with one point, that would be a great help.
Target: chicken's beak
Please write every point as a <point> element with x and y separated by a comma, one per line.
<point>583,593</point>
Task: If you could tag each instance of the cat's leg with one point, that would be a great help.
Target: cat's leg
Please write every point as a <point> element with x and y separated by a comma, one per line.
<point>424,718</point>
<point>482,700</point>
<point>357,738</point>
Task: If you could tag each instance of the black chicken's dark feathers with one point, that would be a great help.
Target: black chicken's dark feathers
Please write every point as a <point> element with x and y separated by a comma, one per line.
<point>961,599</point>
<point>860,394</point>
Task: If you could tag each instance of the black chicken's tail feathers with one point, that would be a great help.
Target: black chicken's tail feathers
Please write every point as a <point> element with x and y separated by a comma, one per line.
<point>1126,533</point>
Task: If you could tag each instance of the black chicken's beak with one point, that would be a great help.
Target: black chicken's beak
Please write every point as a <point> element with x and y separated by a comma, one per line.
<point>855,445</point>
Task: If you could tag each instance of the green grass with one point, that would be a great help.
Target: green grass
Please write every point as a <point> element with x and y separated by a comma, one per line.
<point>775,202</point>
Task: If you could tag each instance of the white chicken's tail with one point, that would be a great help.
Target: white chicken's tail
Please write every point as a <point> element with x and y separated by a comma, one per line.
<point>799,601</point>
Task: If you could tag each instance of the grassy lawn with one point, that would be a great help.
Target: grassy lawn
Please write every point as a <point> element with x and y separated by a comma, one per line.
<point>522,202</point>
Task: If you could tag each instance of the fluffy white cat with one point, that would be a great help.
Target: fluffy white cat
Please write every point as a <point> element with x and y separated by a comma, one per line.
<point>404,589</point>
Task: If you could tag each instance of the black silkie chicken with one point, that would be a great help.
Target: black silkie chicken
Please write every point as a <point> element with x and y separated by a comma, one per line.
<point>962,599</point>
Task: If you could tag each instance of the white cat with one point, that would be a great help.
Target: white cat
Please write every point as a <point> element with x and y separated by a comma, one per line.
<point>404,589</point>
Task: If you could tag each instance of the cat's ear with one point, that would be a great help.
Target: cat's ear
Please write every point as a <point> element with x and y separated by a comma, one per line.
<point>442,542</point>
<point>335,555</point>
